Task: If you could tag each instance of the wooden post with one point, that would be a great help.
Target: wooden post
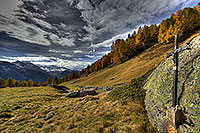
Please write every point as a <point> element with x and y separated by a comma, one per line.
<point>175,112</point>
<point>175,82</point>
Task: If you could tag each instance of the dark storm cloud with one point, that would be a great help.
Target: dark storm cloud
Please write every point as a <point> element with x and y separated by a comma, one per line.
<point>78,31</point>
<point>15,47</point>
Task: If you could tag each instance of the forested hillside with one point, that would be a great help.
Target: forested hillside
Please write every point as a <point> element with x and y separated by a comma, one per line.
<point>185,22</point>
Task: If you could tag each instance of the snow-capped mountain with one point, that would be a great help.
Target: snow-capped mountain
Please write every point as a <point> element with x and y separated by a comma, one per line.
<point>60,71</point>
<point>53,68</point>
<point>22,71</point>
<point>27,65</point>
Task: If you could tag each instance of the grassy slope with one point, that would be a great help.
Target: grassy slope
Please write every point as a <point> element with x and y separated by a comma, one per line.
<point>131,69</point>
<point>123,73</point>
<point>44,109</point>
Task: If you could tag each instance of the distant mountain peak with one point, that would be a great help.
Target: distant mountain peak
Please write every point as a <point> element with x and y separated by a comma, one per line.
<point>27,65</point>
<point>22,71</point>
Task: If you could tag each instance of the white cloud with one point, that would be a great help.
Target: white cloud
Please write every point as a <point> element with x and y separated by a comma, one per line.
<point>66,55</point>
<point>56,51</point>
<point>49,61</point>
<point>66,42</point>
<point>7,60</point>
<point>78,52</point>
<point>91,56</point>
<point>62,41</point>
<point>42,23</point>
<point>103,53</point>
<point>31,58</point>
<point>108,43</point>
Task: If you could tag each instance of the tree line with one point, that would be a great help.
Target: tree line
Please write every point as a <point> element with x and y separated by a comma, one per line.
<point>16,83</point>
<point>56,80</point>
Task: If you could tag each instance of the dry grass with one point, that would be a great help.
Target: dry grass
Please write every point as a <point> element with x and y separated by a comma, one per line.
<point>44,109</point>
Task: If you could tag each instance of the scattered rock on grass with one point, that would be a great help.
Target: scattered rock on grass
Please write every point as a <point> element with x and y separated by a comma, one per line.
<point>73,94</point>
<point>81,93</point>
<point>87,92</point>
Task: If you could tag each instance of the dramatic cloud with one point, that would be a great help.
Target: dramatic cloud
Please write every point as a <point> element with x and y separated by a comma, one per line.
<point>75,32</point>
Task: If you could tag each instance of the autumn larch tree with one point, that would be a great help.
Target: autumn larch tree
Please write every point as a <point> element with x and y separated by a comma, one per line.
<point>55,80</point>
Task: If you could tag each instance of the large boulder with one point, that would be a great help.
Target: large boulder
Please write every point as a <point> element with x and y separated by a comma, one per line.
<point>73,94</point>
<point>87,92</point>
<point>81,93</point>
<point>160,83</point>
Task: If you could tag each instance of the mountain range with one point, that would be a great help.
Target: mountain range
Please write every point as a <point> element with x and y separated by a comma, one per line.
<point>27,71</point>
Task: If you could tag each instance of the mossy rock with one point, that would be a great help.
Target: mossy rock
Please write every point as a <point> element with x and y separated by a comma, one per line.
<point>160,84</point>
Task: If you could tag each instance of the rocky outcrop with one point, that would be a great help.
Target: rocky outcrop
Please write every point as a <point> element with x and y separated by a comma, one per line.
<point>84,91</point>
<point>87,92</point>
<point>81,93</point>
<point>73,94</point>
<point>106,88</point>
<point>159,88</point>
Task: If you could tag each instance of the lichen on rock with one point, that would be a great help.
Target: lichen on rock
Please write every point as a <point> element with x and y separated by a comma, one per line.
<point>160,83</point>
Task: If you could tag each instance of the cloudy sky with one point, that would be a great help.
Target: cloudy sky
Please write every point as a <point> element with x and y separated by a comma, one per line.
<point>73,33</point>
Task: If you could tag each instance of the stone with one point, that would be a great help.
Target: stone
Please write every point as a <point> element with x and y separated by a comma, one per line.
<point>73,94</point>
<point>159,87</point>
<point>111,79</point>
<point>87,92</point>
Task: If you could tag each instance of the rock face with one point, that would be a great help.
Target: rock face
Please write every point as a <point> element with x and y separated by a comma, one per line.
<point>159,88</point>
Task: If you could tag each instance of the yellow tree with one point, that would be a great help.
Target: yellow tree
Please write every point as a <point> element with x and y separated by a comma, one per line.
<point>153,29</point>
<point>138,38</point>
<point>30,83</point>
<point>178,22</point>
<point>190,19</point>
<point>197,7</point>
<point>163,31</point>
<point>170,34</point>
